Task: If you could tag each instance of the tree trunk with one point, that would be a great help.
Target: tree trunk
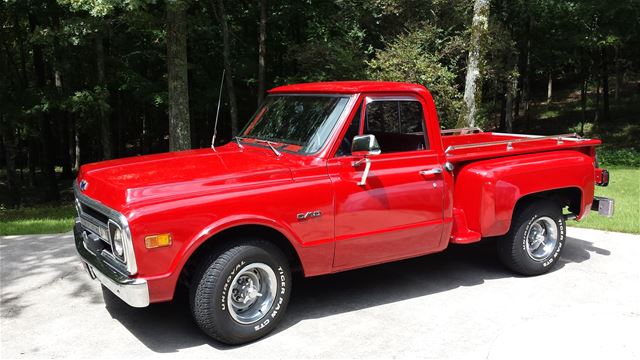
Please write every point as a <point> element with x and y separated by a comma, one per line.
<point>31,163</point>
<point>526,85</point>
<point>9,140</point>
<point>583,103</point>
<point>512,88</point>
<point>472,89</point>
<point>619,73</point>
<point>605,85</point>
<point>177,74</point>
<point>549,88</point>
<point>262,51</point>
<point>71,142</point>
<point>597,114</point>
<point>76,141</point>
<point>226,55</point>
<point>103,116</point>
<point>584,76</point>
<point>51,191</point>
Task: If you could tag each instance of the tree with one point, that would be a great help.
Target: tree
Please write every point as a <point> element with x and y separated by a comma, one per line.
<point>103,111</point>
<point>472,88</point>
<point>178,83</point>
<point>226,56</point>
<point>262,52</point>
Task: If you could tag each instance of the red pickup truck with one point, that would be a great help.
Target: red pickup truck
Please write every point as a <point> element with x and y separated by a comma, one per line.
<point>325,177</point>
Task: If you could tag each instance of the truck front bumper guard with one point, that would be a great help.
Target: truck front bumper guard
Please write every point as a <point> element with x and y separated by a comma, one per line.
<point>134,292</point>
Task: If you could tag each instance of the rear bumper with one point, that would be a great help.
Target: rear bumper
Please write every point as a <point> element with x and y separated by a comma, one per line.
<point>134,292</point>
<point>604,206</point>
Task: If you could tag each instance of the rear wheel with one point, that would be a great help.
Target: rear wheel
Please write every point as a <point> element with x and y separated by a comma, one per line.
<point>241,294</point>
<point>536,239</point>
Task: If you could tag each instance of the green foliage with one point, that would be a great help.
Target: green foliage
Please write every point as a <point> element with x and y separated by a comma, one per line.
<point>48,66</point>
<point>628,157</point>
<point>416,57</point>
<point>87,103</point>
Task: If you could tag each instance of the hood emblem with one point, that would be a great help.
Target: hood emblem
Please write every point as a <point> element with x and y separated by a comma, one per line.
<point>84,184</point>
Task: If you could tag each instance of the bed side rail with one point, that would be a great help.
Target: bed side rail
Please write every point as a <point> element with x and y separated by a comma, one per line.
<point>522,139</point>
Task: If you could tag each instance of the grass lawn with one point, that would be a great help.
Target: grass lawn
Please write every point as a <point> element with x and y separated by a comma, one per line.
<point>624,188</point>
<point>37,220</point>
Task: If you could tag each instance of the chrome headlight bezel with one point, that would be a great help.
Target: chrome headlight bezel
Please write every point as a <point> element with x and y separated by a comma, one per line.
<point>117,238</point>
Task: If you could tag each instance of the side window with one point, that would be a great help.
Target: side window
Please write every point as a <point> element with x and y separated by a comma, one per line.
<point>353,130</point>
<point>397,124</point>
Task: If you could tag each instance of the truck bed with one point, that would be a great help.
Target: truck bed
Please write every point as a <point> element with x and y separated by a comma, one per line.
<point>460,145</point>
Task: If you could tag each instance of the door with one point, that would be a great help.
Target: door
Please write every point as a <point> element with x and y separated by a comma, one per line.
<point>398,212</point>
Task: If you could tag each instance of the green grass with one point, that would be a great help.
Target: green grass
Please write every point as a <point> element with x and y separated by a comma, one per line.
<point>624,188</point>
<point>36,220</point>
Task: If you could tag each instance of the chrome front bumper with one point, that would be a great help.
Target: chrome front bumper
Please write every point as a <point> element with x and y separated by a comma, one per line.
<point>134,292</point>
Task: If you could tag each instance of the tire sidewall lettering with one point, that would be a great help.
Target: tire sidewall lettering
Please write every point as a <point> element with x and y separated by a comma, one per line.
<point>227,283</point>
<point>277,304</point>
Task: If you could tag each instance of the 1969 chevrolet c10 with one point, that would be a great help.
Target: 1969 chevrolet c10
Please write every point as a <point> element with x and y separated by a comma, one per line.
<point>325,177</point>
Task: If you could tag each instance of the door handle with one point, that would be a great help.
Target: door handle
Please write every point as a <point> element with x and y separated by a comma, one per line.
<point>434,171</point>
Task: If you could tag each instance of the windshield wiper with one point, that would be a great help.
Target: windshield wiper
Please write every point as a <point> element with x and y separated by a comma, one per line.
<point>269,143</point>
<point>237,139</point>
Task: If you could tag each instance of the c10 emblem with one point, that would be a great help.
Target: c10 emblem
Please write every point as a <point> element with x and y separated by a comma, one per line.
<point>309,215</point>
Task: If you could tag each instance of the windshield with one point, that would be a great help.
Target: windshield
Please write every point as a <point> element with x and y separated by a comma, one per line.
<point>296,123</point>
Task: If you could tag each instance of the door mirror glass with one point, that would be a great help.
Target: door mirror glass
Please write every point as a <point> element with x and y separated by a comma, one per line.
<point>365,145</point>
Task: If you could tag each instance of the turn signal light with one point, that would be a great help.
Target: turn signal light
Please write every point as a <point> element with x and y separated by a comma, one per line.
<point>156,241</point>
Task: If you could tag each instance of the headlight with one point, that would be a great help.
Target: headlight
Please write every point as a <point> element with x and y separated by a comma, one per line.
<point>117,239</point>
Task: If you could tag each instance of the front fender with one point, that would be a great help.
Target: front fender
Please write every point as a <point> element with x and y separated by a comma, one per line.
<point>315,259</point>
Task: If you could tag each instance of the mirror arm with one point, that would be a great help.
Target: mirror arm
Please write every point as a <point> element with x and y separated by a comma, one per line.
<point>365,173</point>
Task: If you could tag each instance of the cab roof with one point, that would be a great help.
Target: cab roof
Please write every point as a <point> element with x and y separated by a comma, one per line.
<point>350,87</point>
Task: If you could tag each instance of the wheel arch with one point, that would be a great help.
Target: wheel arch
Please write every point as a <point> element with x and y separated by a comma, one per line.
<point>570,196</point>
<point>218,240</point>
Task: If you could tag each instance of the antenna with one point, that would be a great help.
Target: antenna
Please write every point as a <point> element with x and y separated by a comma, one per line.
<point>215,126</point>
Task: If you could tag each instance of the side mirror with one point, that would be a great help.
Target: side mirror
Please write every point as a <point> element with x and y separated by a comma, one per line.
<point>364,145</point>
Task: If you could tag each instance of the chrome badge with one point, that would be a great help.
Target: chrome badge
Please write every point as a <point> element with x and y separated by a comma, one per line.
<point>308,215</point>
<point>84,184</point>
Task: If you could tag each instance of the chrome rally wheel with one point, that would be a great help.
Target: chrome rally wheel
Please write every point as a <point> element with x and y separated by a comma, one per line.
<point>542,238</point>
<point>252,293</point>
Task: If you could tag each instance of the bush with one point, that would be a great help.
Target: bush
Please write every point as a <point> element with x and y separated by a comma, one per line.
<point>628,157</point>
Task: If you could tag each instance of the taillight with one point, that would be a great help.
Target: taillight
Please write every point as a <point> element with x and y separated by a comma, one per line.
<point>602,177</point>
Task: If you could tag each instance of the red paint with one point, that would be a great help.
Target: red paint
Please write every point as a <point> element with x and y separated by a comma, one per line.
<point>398,214</point>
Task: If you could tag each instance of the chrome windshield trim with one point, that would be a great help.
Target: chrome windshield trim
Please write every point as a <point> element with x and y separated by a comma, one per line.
<point>129,254</point>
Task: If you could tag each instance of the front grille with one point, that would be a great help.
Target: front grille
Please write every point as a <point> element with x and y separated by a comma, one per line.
<point>96,223</point>
<point>95,218</point>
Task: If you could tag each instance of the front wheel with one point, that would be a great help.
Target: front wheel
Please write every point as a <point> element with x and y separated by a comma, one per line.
<point>240,294</point>
<point>536,239</point>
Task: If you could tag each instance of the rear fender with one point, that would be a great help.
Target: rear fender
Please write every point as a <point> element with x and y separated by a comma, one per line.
<point>489,190</point>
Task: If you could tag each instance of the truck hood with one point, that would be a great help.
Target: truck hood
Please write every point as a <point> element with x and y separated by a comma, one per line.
<point>171,176</point>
